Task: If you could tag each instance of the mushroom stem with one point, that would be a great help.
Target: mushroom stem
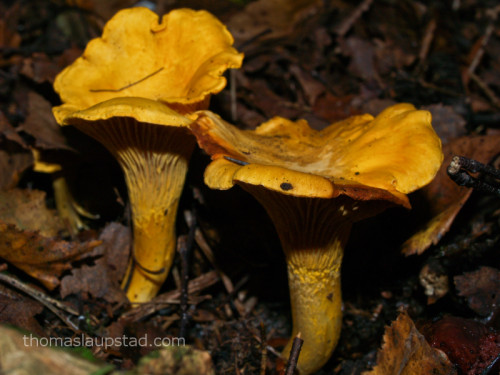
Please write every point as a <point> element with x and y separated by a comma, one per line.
<point>316,301</point>
<point>154,159</point>
<point>313,234</point>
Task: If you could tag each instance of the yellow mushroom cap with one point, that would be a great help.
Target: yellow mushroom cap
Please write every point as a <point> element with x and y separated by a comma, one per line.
<point>178,61</point>
<point>141,109</point>
<point>364,157</point>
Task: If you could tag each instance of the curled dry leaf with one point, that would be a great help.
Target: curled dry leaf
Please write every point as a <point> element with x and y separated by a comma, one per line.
<point>40,124</point>
<point>361,52</point>
<point>405,352</point>
<point>43,258</point>
<point>270,18</point>
<point>481,289</point>
<point>101,280</point>
<point>102,8</point>
<point>41,68</point>
<point>19,310</point>
<point>469,345</point>
<point>444,197</point>
<point>178,360</point>
<point>13,162</point>
<point>26,209</point>
<point>8,38</point>
<point>14,156</point>
<point>9,132</point>
<point>448,124</point>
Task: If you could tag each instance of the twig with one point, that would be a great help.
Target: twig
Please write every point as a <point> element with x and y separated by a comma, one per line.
<point>346,25</point>
<point>427,40</point>
<point>263,349</point>
<point>185,246</point>
<point>254,38</point>
<point>294,355</point>
<point>52,304</point>
<point>473,166</point>
<point>436,88</point>
<point>207,251</point>
<point>130,84</point>
<point>484,87</point>
<point>172,297</point>
<point>269,348</point>
<point>183,251</point>
<point>460,165</point>
<point>478,55</point>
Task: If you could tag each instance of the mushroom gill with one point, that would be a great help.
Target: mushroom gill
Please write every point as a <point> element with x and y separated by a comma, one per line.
<point>314,186</point>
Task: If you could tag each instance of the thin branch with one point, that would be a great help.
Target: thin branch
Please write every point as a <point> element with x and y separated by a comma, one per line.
<point>130,84</point>
<point>207,251</point>
<point>458,172</point>
<point>346,25</point>
<point>427,40</point>
<point>486,90</point>
<point>52,304</point>
<point>263,349</point>
<point>172,297</point>
<point>294,355</point>
<point>185,246</point>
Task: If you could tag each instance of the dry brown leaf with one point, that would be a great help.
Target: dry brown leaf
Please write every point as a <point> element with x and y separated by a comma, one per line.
<point>270,18</point>
<point>26,209</point>
<point>41,68</point>
<point>444,197</point>
<point>405,352</point>
<point>19,310</point>
<point>481,289</point>
<point>43,258</point>
<point>361,53</point>
<point>333,108</point>
<point>102,280</point>
<point>14,155</point>
<point>14,160</point>
<point>471,346</point>
<point>390,56</point>
<point>269,102</point>
<point>9,132</point>
<point>103,8</point>
<point>447,123</point>
<point>178,360</point>
<point>41,124</point>
<point>8,38</point>
<point>310,86</point>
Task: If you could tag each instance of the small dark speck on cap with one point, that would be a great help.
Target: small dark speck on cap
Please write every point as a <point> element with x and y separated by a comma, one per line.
<point>286,186</point>
<point>356,173</point>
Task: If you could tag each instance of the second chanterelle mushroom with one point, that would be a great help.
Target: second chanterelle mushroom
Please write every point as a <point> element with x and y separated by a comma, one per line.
<point>130,90</point>
<point>314,186</point>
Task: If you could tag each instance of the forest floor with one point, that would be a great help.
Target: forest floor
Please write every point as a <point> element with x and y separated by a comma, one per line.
<point>322,61</point>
